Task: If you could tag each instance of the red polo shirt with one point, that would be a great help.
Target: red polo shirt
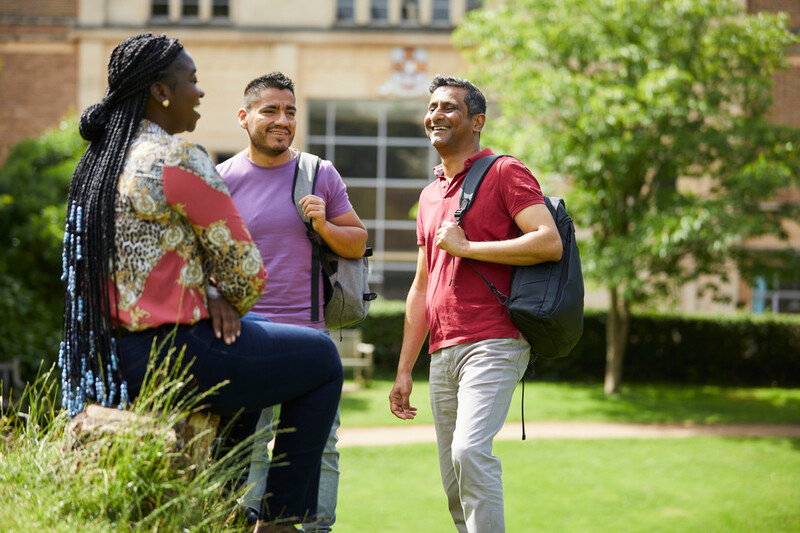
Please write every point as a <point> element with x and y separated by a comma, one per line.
<point>459,307</point>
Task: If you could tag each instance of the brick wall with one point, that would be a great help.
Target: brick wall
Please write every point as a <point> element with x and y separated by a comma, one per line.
<point>786,95</point>
<point>36,91</point>
<point>38,67</point>
<point>786,92</point>
<point>38,8</point>
<point>791,7</point>
<point>37,32</point>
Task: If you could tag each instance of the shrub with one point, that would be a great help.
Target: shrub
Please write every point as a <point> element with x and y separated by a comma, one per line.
<point>33,191</point>
<point>734,350</point>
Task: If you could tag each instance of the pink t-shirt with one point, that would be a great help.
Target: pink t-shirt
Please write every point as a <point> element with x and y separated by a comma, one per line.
<point>460,308</point>
<point>263,196</point>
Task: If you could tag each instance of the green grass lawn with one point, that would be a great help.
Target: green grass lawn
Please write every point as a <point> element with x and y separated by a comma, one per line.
<point>127,482</point>
<point>568,401</point>
<point>700,484</point>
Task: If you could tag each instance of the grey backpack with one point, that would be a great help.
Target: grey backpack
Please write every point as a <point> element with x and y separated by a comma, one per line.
<point>345,281</point>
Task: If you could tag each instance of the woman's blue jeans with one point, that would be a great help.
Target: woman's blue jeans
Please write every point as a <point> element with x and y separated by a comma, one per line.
<point>269,364</point>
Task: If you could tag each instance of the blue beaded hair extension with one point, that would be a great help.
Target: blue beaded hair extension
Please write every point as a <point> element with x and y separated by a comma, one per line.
<point>88,355</point>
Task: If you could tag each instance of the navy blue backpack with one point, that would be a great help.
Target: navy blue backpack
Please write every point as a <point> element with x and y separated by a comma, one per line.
<point>545,300</point>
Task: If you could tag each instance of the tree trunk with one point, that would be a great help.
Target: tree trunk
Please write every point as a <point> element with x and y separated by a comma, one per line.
<point>617,329</point>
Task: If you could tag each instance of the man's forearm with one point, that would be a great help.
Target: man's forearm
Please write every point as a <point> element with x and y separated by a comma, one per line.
<point>415,330</point>
<point>528,249</point>
<point>346,241</point>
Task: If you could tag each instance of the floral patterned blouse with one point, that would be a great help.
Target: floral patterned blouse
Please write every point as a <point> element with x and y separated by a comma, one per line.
<point>177,229</point>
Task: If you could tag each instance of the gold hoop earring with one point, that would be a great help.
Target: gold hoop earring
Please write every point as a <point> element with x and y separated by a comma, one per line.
<point>165,103</point>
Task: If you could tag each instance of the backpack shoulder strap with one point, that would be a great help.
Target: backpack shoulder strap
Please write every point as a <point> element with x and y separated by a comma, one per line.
<point>475,174</point>
<point>558,209</point>
<point>552,203</point>
<point>305,179</point>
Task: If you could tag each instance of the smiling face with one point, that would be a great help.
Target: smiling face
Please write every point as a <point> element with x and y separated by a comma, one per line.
<point>270,123</point>
<point>447,122</point>
<point>180,88</point>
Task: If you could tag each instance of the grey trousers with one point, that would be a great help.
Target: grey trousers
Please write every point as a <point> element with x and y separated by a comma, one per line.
<point>471,387</point>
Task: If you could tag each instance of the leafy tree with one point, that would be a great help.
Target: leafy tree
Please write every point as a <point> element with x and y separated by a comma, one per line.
<point>655,114</point>
<point>33,189</point>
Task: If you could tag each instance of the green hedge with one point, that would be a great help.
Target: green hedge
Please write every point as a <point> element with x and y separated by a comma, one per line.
<point>34,181</point>
<point>734,350</point>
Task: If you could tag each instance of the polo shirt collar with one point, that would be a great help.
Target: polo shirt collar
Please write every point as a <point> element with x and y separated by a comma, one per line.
<point>438,170</point>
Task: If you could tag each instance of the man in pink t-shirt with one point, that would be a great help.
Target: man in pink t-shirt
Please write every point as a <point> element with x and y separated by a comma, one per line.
<point>477,354</point>
<point>260,179</point>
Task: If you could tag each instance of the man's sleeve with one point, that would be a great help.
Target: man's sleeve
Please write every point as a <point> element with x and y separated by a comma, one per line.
<point>332,189</point>
<point>518,187</point>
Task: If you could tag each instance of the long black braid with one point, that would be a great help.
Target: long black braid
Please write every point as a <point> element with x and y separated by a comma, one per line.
<point>88,354</point>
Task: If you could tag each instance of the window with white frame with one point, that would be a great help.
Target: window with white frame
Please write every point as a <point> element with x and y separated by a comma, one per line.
<point>191,11</point>
<point>379,10</point>
<point>776,296</point>
<point>159,8</point>
<point>440,12</point>
<point>220,9</point>
<point>345,10</point>
<point>409,12</point>
<point>381,151</point>
<point>190,8</point>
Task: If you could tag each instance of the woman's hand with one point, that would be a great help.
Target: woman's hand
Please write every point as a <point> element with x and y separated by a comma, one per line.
<point>224,317</point>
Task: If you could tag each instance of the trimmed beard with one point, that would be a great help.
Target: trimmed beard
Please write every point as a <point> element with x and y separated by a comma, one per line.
<point>266,150</point>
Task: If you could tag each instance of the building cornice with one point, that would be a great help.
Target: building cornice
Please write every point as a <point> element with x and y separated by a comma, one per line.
<point>36,20</point>
<point>296,35</point>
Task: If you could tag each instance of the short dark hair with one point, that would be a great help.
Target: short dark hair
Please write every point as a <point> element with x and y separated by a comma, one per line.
<point>273,80</point>
<point>476,103</point>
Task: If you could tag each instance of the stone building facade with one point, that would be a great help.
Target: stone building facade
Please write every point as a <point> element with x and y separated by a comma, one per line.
<point>361,68</point>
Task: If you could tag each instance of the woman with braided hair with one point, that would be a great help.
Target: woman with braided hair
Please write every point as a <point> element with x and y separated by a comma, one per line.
<point>155,249</point>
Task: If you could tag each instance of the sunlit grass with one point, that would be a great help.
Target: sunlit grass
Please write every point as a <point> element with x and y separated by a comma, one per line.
<point>698,484</point>
<point>653,404</point>
<point>693,485</point>
<point>133,480</point>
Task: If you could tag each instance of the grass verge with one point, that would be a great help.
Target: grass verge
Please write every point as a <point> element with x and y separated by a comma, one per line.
<point>702,485</point>
<point>651,404</point>
<point>132,480</point>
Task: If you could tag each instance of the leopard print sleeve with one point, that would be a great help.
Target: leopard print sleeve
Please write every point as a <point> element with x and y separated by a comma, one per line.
<point>226,250</point>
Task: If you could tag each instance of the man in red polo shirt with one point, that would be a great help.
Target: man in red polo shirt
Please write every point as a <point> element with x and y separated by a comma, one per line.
<point>477,354</point>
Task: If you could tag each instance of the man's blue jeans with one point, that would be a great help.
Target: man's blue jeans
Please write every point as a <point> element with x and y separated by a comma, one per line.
<point>269,364</point>
<point>328,480</point>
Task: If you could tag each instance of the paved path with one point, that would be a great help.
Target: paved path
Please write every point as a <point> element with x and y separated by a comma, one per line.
<point>410,433</point>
